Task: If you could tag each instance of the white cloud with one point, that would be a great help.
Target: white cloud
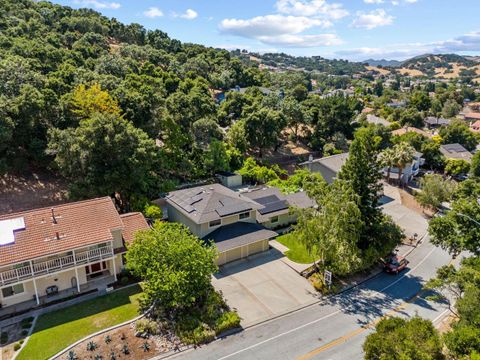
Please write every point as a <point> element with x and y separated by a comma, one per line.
<point>153,12</point>
<point>190,14</point>
<point>97,4</point>
<point>311,8</point>
<point>270,25</point>
<point>373,19</point>
<point>303,41</point>
<point>373,1</point>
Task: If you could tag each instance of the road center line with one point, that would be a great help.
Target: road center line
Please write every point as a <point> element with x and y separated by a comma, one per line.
<point>324,317</point>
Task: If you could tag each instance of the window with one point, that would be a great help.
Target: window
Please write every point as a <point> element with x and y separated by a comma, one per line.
<point>244,215</point>
<point>215,223</point>
<point>274,219</point>
<point>12,290</point>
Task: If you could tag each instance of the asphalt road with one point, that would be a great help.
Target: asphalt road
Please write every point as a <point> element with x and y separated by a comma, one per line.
<point>336,328</point>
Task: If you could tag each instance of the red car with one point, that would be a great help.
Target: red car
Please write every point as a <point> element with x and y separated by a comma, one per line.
<point>394,264</point>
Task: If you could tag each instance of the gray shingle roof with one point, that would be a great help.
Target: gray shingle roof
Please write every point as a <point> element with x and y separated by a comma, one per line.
<point>239,234</point>
<point>271,195</point>
<point>211,202</point>
<point>334,162</point>
<point>455,151</point>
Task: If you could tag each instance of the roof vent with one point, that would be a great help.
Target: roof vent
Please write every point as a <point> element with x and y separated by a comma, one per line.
<point>8,228</point>
<point>54,219</point>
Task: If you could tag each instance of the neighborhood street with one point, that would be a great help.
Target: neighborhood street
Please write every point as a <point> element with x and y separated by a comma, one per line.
<point>336,327</point>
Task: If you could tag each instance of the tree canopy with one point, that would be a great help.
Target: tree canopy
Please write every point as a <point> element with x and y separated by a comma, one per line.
<point>174,264</point>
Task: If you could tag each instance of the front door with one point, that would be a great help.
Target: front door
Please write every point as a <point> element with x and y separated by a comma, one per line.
<point>74,282</point>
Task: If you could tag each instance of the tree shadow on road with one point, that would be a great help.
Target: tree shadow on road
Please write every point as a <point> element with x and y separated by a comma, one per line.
<point>368,304</point>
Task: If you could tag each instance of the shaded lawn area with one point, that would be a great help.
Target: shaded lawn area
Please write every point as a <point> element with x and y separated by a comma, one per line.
<point>297,251</point>
<point>56,330</point>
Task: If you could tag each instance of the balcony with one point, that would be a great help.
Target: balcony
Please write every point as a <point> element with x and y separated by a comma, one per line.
<point>55,265</point>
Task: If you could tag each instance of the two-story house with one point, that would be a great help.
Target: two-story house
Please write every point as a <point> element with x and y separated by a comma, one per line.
<point>228,218</point>
<point>409,171</point>
<point>62,249</point>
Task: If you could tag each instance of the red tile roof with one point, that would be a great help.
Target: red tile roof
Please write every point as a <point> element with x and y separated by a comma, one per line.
<point>133,222</point>
<point>475,127</point>
<point>473,115</point>
<point>77,224</point>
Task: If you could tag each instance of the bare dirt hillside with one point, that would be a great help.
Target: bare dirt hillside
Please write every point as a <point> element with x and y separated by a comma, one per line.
<point>31,190</point>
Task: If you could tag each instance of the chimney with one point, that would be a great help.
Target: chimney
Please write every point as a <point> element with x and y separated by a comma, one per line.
<point>57,235</point>
<point>54,220</point>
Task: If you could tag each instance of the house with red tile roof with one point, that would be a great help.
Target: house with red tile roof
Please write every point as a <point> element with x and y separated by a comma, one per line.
<point>475,127</point>
<point>63,249</point>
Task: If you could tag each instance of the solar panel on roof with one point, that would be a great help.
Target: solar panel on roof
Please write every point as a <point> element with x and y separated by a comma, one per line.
<point>267,199</point>
<point>196,199</point>
<point>274,206</point>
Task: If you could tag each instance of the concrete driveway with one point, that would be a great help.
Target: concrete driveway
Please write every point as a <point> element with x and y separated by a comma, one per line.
<point>263,286</point>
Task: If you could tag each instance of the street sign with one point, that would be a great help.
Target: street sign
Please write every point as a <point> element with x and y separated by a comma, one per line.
<point>328,277</point>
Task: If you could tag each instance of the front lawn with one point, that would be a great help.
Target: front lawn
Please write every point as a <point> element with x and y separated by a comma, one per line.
<point>297,251</point>
<point>56,330</point>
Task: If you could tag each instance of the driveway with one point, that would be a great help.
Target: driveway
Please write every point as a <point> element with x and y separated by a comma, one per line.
<point>409,220</point>
<point>263,286</point>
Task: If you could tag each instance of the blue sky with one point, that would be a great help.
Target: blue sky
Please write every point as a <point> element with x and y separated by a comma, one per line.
<point>350,29</point>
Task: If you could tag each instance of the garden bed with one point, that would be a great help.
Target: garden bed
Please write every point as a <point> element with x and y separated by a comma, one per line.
<point>13,336</point>
<point>123,344</point>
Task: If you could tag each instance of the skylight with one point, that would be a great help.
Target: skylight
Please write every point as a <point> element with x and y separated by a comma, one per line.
<point>7,229</point>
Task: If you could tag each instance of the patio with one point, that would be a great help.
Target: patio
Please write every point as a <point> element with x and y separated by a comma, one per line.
<point>99,283</point>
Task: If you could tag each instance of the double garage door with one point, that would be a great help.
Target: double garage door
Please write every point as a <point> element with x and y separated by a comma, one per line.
<point>242,251</point>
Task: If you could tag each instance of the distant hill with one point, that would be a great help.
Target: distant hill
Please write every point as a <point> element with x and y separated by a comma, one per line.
<point>310,63</point>
<point>383,62</point>
<point>446,66</point>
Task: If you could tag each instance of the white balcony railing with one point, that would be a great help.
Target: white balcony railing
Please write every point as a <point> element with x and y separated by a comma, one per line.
<point>55,265</point>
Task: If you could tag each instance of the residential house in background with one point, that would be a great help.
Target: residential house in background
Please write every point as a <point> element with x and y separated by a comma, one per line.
<point>456,151</point>
<point>407,129</point>
<point>328,167</point>
<point>372,119</point>
<point>409,172</point>
<point>59,251</point>
<point>472,116</point>
<point>475,127</point>
<point>432,122</point>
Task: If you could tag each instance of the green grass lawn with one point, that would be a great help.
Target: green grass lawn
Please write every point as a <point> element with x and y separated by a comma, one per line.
<point>56,330</point>
<point>297,251</point>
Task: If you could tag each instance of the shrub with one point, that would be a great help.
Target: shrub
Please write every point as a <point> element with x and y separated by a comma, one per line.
<point>146,326</point>
<point>203,334</point>
<point>318,283</point>
<point>21,341</point>
<point>145,346</point>
<point>91,346</point>
<point>71,355</point>
<point>124,280</point>
<point>108,339</point>
<point>24,332</point>
<point>113,356</point>
<point>125,349</point>
<point>226,321</point>
<point>153,212</point>
<point>98,357</point>
<point>17,346</point>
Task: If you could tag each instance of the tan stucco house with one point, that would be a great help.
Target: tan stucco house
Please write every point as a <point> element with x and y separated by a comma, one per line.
<point>67,247</point>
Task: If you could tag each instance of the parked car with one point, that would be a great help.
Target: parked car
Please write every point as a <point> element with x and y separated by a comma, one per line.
<point>394,264</point>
